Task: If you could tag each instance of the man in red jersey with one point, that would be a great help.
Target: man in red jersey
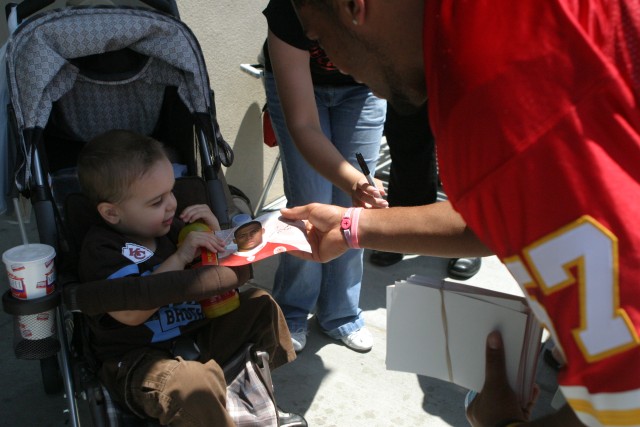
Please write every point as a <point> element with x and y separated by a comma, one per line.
<point>534,107</point>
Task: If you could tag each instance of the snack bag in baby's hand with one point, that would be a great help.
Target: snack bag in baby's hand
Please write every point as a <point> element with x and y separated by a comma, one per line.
<point>216,305</point>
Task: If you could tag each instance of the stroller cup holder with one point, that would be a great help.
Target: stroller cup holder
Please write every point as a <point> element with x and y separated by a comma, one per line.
<point>34,321</point>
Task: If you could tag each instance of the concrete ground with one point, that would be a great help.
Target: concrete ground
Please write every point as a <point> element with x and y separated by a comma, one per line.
<point>335,386</point>
<point>328,383</point>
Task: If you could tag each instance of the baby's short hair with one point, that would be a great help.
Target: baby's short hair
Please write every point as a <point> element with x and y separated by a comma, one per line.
<point>112,161</point>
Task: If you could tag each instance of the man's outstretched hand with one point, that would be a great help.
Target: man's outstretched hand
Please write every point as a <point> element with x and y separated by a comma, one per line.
<point>323,230</point>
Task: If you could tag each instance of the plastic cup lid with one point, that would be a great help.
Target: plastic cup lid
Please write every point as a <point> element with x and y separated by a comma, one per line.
<point>28,253</point>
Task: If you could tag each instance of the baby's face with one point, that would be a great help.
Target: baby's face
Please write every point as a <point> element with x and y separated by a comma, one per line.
<point>149,206</point>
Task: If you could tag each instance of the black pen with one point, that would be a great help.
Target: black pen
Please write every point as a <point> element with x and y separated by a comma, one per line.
<point>365,169</point>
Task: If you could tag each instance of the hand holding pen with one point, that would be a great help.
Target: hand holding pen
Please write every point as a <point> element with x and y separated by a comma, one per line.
<point>365,170</point>
<point>367,197</point>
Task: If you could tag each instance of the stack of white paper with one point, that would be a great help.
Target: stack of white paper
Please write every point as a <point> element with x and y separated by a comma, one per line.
<point>439,329</point>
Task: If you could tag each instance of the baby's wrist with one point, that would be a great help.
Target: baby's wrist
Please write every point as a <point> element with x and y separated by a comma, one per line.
<point>181,259</point>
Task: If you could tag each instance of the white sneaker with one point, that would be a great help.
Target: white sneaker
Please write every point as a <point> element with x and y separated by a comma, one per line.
<point>299,339</point>
<point>360,340</point>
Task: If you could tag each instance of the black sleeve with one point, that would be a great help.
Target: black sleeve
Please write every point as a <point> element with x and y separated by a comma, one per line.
<point>283,22</point>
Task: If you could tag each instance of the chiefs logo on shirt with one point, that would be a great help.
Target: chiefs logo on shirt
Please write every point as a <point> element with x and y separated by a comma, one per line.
<point>136,253</point>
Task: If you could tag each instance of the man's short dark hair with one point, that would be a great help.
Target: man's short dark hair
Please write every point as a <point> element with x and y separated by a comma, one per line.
<point>246,225</point>
<point>321,4</point>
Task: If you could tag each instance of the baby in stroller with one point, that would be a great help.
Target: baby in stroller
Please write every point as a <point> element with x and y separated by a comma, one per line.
<point>163,362</point>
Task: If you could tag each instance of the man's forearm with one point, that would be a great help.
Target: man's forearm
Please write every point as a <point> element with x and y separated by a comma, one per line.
<point>434,230</point>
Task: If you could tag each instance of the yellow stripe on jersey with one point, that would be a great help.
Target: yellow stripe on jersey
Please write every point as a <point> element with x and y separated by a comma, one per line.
<point>622,417</point>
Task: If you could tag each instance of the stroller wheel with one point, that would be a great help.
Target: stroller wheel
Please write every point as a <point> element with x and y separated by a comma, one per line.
<point>51,378</point>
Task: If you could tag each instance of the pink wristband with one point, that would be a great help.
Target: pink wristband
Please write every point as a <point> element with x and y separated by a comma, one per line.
<point>355,218</point>
<point>349,227</point>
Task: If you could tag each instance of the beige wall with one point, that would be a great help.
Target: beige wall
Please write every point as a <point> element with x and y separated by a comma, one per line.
<point>231,32</point>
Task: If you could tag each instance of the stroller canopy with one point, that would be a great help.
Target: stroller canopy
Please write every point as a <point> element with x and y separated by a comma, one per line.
<point>41,70</point>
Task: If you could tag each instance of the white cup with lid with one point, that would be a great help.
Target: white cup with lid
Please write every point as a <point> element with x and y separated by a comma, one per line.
<point>31,270</point>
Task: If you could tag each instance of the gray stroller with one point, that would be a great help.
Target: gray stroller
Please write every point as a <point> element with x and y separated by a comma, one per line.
<point>72,74</point>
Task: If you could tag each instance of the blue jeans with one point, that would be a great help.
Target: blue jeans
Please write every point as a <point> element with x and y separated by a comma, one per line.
<point>353,119</point>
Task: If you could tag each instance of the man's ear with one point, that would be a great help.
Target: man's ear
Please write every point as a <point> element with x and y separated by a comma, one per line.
<point>109,212</point>
<point>356,10</point>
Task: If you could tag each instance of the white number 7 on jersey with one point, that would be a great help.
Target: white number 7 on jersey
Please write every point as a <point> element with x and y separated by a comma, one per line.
<point>591,249</point>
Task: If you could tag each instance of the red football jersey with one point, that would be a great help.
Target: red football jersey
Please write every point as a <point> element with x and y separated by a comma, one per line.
<point>535,109</point>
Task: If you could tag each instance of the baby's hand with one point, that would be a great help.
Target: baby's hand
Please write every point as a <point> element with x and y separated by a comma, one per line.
<point>195,241</point>
<point>200,212</point>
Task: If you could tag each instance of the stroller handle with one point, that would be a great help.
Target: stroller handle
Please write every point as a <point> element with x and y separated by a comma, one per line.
<point>27,8</point>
